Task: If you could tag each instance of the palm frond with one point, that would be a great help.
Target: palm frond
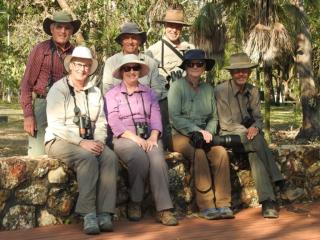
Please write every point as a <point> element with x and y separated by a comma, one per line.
<point>208,30</point>
<point>258,42</point>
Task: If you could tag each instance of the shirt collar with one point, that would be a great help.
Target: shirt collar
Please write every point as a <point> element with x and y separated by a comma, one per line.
<point>139,89</point>
<point>236,91</point>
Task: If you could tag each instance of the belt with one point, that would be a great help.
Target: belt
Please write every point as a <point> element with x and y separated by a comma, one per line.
<point>40,96</point>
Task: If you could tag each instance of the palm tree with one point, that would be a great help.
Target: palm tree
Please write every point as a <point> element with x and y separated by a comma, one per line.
<point>266,30</point>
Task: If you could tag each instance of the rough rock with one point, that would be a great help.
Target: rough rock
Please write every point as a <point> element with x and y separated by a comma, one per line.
<point>20,217</point>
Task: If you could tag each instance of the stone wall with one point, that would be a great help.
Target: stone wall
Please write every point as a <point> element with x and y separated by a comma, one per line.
<point>42,191</point>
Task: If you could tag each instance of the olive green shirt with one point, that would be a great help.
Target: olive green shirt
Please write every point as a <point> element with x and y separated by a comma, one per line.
<point>233,106</point>
<point>191,110</point>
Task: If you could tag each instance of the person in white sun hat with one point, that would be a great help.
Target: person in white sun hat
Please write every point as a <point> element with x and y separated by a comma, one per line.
<point>76,135</point>
<point>134,117</point>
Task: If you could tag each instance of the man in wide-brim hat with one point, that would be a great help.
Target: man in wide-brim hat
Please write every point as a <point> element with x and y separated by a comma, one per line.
<point>169,53</point>
<point>44,67</point>
<point>131,38</point>
<point>238,105</point>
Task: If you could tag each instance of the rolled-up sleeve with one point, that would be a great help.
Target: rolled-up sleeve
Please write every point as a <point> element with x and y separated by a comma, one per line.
<point>112,113</point>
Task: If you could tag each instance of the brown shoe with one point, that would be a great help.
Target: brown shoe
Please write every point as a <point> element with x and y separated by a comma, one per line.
<point>134,211</point>
<point>167,218</point>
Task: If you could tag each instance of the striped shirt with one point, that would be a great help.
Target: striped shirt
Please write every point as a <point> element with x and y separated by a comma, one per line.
<point>37,72</point>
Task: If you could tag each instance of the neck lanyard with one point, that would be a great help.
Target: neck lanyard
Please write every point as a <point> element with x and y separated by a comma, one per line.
<point>247,95</point>
<point>144,110</point>
<point>72,93</point>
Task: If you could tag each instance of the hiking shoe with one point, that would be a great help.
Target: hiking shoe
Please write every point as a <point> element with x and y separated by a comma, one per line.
<point>226,213</point>
<point>90,224</point>
<point>134,211</point>
<point>167,218</point>
<point>269,209</point>
<point>105,222</point>
<point>288,192</point>
<point>210,214</point>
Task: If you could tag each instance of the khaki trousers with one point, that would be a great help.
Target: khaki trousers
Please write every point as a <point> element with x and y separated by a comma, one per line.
<point>142,165</point>
<point>211,173</point>
<point>96,175</point>
<point>36,143</point>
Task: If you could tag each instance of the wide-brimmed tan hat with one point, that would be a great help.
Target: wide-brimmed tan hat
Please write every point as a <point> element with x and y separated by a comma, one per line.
<point>197,54</point>
<point>131,58</point>
<point>174,16</point>
<point>240,61</point>
<point>131,28</point>
<point>61,17</point>
<point>81,52</point>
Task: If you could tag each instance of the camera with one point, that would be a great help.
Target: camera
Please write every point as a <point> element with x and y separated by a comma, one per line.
<point>228,141</point>
<point>247,121</point>
<point>85,128</point>
<point>142,129</point>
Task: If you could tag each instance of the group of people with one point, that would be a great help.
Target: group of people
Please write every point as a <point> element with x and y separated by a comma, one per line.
<point>151,102</point>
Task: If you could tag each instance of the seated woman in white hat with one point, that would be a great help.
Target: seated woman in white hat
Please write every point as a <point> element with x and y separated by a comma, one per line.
<point>134,117</point>
<point>76,135</point>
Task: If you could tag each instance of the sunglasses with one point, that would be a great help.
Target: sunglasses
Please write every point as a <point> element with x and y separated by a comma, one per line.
<point>129,68</point>
<point>195,64</point>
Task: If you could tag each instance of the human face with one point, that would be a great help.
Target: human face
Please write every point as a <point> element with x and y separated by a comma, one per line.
<point>80,69</point>
<point>195,68</point>
<point>130,43</point>
<point>130,73</point>
<point>173,31</point>
<point>61,33</point>
<point>240,76</point>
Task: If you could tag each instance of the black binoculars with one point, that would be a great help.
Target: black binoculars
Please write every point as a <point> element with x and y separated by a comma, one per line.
<point>142,130</point>
<point>85,128</point>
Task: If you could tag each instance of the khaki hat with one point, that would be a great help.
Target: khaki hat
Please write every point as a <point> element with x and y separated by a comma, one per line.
<point>174,16</point>
<point>131,58</point>
<point>240,61</point>
<point>81,52</point>
<point>61,17</point>
<point>131,28</point>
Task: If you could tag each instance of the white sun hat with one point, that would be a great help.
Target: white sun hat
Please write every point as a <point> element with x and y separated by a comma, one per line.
<point>81,52</point>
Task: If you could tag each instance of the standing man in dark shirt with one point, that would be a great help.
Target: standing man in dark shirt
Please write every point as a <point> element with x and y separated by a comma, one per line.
<point>44,67</point>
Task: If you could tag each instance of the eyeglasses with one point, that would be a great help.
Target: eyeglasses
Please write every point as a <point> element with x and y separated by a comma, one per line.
<point>79,66</point>
<point>129,68</point>
<point>195,64</point>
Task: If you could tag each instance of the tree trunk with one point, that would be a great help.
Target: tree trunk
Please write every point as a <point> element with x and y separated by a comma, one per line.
<point>267,102</point>
<point>64,5</point>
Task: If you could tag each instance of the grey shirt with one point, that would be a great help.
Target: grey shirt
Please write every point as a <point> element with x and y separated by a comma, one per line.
<point>60,112</point>
<point>233,106</point>
<point>153,80</point>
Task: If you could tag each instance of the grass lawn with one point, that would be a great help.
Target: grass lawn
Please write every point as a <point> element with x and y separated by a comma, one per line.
<point>285,122</point>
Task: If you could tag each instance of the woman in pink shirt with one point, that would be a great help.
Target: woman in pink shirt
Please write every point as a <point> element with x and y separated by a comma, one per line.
<point>134,116</point>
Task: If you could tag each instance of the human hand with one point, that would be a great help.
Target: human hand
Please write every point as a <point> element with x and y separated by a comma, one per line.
<point>93,146</point>
<point>141,142</point>
<point>252,132</point>
<point>30,125</point>
<point>207,136</point>
<point>151,142</point>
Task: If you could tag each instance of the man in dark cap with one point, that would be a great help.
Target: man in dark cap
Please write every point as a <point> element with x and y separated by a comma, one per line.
<point>238,106</point>
<point>44,67</point>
